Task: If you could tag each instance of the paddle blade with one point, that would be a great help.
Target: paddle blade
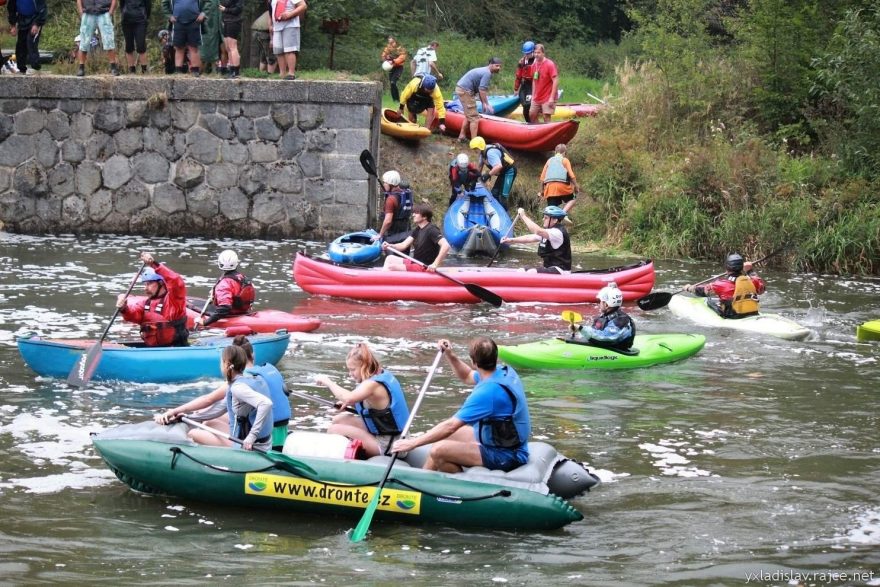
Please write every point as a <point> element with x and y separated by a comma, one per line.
<point>360,531</point>
<point>484,294</point>
<point>294,466</point>
<point>572,317</point>
<point>368,163</point>
<point>655,300</point>
<point>85,366</point>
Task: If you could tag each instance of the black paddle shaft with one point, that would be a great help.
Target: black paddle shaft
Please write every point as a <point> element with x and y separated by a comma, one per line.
<point>474,289</point>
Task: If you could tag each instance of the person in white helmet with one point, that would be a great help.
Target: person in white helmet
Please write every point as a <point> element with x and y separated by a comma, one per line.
<point>233,294</point>
<point>613,328</point>
<point>396,214</point>
<point>463,176</point>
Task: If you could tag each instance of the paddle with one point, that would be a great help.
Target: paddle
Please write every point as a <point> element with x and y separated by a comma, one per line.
<point>475,290</point>
<point>208,301</point>
<point>321,400</point>
<point>84,368</point>
<point>572,318</point>
<point>283,461</point>
<point>360,531</point>
<point>660,299</point>
<point>506,234</point>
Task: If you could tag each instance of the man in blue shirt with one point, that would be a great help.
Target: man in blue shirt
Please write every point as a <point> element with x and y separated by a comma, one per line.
<point>492,427</point>
<point>472,85</point>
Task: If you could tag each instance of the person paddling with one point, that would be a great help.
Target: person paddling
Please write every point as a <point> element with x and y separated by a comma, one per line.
<point>555,243</point>
<point>428,244</point>
<point>737,291</point>
<point>613,328</point>
<point>162,316</point>
<point>492,427</point>
<point>233,294</point>
<point>378,399</point>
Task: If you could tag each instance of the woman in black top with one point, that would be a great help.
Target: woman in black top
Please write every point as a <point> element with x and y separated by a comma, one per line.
<point>231,11</point>
<point>135,16</point>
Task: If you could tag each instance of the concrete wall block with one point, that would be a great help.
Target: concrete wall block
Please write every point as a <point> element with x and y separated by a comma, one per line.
<point>309,117</point>
<point>161,119</point>
<point>100,205</point>
<point>100,147</point>
<point>30,122</point>
<point>204,90</point>
<point>254,109</point>
<point>62,179</point>
<point>168,198</point>
<point>169,145</point>
<point>244,129</point>
<point>129,141</point>
<point>274,92</point>
<point>319,190</point>
<point>263,152</point>
<point>354,193</point>
<point>253,179</point>
<point>151,167</point>
<point>229,109</point>
<point>16,149</point>
<point>30,179</point>
<point>116,172</point>
<point>343,167</point>
<point>74,211</point>
<point>286,178</point>
<point>49,209</point>
<point>184,115</point>
<point>188,173</point>
<point>284,114</point>
<point>203,201</point>
<point>117,222</point>
<point>46,149</point>
<point>15,207</point>
<point>110,117</point>
<point>203,146</point>
<point>322,140</point>
<point>131,197</point>
<point>310,164</point>
<point>302,215</point>
<point>352,141</point>
<point>269,208</point>
<point>7,126</point>
<point>292,143</point>
<point>338,218</point>
<point>222,175</point>
<point>73,151</point>
<point>267,130</point>
<point>234,204</point>
<point>234,153</point>
<point>12,105</point>
<point>137,113</point>
<point>70,106</point>
<point>347,116</point>
<point>58,123</point>
<point>88,178</point>
<point>81,126</point>
<point>218,125</point>
<point>340,92</point>
<point>5,178</point>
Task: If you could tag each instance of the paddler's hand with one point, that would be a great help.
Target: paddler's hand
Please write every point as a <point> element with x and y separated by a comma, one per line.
<point>199,323</point>
<point>323,380</point>
<point>403,445</point>
<point>690,288</point>
<point>148,259</point>
<point>444,345</point>
<point>166,418</point>
<point>377,237</point>
<point>505,240</point>
<point>521,212</point>
<point>747,266</point>
<point>247,445</point>
<point>120,301</point>
<point>431,268</point>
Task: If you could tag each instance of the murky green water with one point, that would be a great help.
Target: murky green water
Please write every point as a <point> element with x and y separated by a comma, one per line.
<point>756,455</point>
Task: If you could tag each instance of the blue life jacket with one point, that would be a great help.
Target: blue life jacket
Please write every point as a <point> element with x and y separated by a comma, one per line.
<point>556,171</point>
<point>277,391</point>
<point>240,427</point>
<point>510,430</point>
<point>392,419</point>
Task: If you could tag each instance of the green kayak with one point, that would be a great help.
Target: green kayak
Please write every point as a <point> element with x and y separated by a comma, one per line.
<point>554,353</point>
<point>868,331</point>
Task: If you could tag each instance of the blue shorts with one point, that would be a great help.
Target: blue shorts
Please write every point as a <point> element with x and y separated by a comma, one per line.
<point>501,459</point>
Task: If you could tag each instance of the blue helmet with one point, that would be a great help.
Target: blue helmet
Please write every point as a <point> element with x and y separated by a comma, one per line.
<point>429,82</point>
<point>528,47</point>
<point>151,275</point>
<point>554,212</point>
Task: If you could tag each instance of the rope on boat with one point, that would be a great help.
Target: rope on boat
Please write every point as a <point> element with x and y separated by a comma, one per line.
<point>177,451</point>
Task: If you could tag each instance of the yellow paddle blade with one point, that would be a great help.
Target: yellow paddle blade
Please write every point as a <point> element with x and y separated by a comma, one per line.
<point>572,317</point>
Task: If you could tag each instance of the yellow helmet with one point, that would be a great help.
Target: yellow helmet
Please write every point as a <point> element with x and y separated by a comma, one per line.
<point>478,143</point>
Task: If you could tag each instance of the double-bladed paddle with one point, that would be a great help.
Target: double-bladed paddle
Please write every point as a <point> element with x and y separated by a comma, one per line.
<point>295,466</point>
<point>475,290</point>
<point>85,366</point>
<point>659,299</point>
<point>572,318</point>
<point>360,531</point>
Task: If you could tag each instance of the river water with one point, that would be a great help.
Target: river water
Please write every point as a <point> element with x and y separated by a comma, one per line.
<point>758,457</point>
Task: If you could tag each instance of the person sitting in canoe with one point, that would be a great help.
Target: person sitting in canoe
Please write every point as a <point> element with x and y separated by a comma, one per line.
<point>463,176</point>
<point>492,427</point>
<point>555,244</point>
<point>162,315</point>
<point>737,291</point>
<point>397,211</point>
<point>248,406</point>
<point>429,245</point>
<point>233,294</point>
<point>267,372</point>
<point>613,328</point>
<point>378,399</point>
<point>422,94</point>
<point>501,166</point>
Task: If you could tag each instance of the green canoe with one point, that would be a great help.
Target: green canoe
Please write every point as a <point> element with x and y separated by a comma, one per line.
<point>868,331</point>
<point>555,353</point>
<point>157,459</point>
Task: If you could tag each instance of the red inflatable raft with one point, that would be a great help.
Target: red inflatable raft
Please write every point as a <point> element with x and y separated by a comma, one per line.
<point>324,278</point>
<point>515,134</point>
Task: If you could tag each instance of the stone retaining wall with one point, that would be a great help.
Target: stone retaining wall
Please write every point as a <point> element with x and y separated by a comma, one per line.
<point>183,156</point>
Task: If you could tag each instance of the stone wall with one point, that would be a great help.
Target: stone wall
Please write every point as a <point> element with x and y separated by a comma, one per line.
<point>185,156</point>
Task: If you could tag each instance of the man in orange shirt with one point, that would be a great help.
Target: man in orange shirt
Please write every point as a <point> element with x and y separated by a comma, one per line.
<point>559,185</point>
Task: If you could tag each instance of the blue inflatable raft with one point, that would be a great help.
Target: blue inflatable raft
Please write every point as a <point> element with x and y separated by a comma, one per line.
<point>355,248</point>
<point>475,223</point>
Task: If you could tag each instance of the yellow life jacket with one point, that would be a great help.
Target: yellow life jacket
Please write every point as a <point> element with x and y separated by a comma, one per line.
<point>745,296</point>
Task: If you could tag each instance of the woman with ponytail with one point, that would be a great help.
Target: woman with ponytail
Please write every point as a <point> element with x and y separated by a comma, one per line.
<point>378,399</point>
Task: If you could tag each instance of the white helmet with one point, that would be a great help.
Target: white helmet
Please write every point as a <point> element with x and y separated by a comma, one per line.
<point>391,177</point>
<point>387,65</point>
<point>611,295</point>
<point>228,260</point>
<point>462,160</point>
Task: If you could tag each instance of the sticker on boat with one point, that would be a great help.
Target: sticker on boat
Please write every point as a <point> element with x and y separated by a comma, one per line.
<point>393,500</point>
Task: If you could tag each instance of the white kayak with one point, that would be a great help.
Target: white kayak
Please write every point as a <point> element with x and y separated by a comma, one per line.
<point>696,309</point>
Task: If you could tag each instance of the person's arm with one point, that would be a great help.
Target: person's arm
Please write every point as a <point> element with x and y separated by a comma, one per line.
<point>79,7</point>
<point>42,14</point>
<point>444,429</point>
<point>401,246</point>
<point>222,295</point>
<point>112,7</point>
<point>199,403</point>
<point>435,70</point>
<point>610,334</point>
<point>525,238</point>
<point>348,398</point>
<point>574,184</point>
<point>176,306</point>
<point>484,98</point>
<point>408,90</point>
<point>535,228</point>
<point>554,94</point>
<point>299,9</point>
<point>262,404</point>
<point>461,369</point>
<point>444,250</point>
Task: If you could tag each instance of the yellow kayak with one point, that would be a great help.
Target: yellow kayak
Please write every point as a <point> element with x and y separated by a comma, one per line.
<point>868,331</point>
<point>395,125</point>
<point>562,113</point>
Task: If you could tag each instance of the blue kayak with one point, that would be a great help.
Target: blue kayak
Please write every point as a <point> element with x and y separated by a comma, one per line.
<point>501,105</point>
<point>356,248</point>
<point>135,362</point>
<point>475,223</point>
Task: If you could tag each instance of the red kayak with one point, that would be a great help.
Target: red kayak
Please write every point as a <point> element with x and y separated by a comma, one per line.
<point>513,285</point>
<point>515,134</point>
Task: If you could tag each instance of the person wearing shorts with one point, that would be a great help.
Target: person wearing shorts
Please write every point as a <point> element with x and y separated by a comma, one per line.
<point>286,33</point>
<point>231,11</point>
<point>96,14</point>
<point>261,38</point>
<point>429,246</point>
<point>559,186</point>
<point>474,84</point>
<point>544,87</point>
<point>492,427</point>
<point>186,17</point>
<point>135,16</point>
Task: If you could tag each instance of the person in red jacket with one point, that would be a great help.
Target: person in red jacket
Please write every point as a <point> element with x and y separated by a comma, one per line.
<point>162,315</point>
<point>233,294</point>
<point>737,291</point>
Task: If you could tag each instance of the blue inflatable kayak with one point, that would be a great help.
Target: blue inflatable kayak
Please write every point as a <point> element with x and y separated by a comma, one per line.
<point>501,105</point>
<point>355,248</point>
<point>475,223</point>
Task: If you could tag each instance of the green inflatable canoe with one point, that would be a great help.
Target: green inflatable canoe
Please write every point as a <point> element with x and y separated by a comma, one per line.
<point>161,460</point>
<point>868,331</point>
<point>555,353</point>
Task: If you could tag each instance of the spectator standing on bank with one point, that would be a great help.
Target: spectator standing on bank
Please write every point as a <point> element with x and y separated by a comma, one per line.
<point>135,16</point>
<point>261,38</point>
<point>395,53</point>
<point>425,61</point>
<point>186,18</point>
<point>26,20</point>
<point>286,34</point>
<point>209,50</point>
<point>97,14</point>
<point>522,83</point>
<point>231,11</point>
<point>544,87</point>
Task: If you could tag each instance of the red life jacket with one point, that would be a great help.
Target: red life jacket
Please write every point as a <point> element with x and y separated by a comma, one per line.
<point>242,291</point>
<point>157,330</point>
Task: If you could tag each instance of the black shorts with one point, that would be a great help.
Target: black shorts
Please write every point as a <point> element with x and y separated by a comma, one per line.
<point>232,30</point>
<point>135,34</point>
<point>187,34</point>
<point>560,200</point>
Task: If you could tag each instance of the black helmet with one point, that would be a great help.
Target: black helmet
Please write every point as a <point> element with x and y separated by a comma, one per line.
<point>734,262</point>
